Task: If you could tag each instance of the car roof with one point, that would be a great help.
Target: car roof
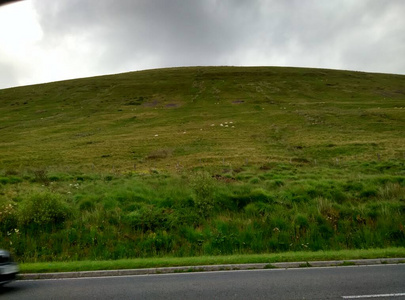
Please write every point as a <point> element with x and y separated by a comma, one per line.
<point>4,252</point>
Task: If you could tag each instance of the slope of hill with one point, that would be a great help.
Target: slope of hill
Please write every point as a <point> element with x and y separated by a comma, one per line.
<point>203,115</point>
<point>202,161</point>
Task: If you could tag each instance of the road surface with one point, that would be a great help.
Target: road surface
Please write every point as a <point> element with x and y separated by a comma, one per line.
<point>350,282</point>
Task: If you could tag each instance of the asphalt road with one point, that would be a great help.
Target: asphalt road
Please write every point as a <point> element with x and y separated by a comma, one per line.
<point>351,282</point>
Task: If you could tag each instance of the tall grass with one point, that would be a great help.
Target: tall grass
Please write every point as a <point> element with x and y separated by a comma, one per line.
<point>196,213</point>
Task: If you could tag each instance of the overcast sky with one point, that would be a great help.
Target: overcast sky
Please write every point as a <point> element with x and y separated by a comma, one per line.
<point>50,40</point>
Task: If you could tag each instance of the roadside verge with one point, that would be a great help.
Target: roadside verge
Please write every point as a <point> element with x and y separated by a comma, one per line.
<point>206,268</point>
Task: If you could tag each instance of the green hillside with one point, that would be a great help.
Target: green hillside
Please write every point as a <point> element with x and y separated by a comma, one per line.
<point>163,118</point>
<point>202,161</point>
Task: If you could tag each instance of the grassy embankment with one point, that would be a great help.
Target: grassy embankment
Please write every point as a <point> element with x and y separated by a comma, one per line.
<point>202,161</point>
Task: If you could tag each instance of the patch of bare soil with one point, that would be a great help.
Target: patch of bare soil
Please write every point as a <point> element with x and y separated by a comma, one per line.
<point>238,102</point>
<point>223,178</point>
<point>153,103</point>
<point>172,105</point>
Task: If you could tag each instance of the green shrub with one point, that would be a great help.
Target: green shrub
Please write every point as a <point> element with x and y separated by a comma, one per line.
<point>203,185</point>
<point>43,209</point>
<point>148,218</point>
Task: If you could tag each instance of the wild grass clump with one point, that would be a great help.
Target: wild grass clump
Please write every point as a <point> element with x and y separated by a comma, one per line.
<point>41,176</point>
<point>11,179</point>
<point>391,191</point>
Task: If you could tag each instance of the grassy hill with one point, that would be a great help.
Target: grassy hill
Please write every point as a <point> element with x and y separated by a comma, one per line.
<point>202,161</point>
<point>163,118</point>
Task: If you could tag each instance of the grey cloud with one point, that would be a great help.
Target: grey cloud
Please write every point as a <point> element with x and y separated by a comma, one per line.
<point>176,32</point>
<point>124,35</point>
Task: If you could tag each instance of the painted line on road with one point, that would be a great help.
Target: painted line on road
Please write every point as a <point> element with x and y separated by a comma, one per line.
<point>374,296</point>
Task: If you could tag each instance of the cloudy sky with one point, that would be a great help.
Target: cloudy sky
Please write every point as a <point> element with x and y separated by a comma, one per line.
<point>49,40</point>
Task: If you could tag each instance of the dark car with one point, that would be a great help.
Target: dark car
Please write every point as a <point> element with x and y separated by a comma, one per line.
<point>8,268</point>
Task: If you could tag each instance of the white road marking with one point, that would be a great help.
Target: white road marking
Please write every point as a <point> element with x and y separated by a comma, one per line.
<point>374,296</point>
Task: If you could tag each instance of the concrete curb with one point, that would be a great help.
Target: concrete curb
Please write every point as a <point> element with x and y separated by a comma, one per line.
<point>228,267</point>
